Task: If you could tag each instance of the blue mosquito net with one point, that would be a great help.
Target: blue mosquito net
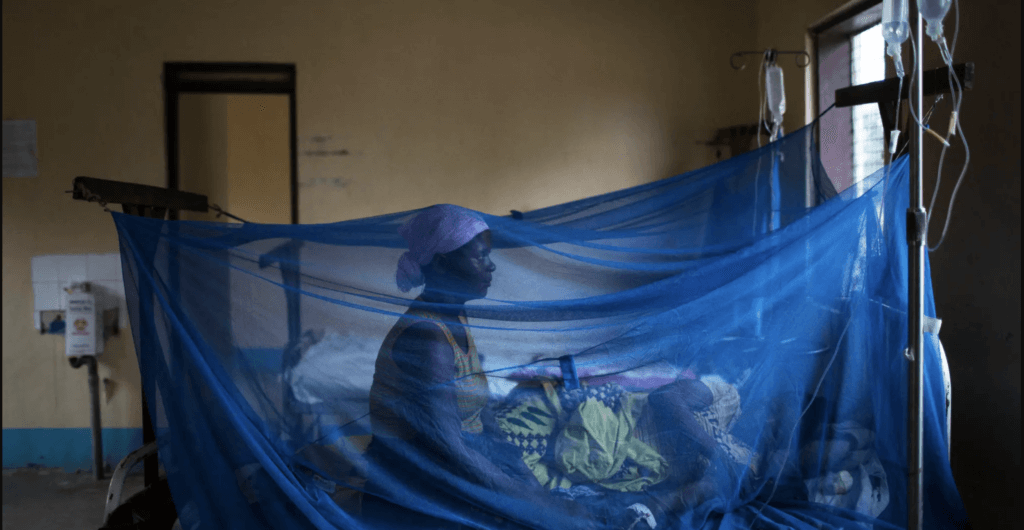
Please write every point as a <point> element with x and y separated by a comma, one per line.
<point>720,349</point>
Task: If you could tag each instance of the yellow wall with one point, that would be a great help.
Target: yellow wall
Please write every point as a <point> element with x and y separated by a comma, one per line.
<point>494,106</point>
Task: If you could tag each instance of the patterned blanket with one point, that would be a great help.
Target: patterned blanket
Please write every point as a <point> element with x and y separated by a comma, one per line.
<point>595,435</point>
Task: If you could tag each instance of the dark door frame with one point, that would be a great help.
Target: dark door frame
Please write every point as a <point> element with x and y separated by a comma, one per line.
<point>228,78</point>
<point>215,78</point>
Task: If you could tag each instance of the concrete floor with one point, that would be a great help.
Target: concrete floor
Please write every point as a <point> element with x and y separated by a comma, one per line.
<point>51,499</point>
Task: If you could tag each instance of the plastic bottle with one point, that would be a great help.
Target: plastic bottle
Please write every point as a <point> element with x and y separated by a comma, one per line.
<point>933,11</point>
<point>776,92</point>
<point>895,30</point>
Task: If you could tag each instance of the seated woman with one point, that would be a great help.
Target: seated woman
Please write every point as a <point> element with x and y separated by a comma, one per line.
<point>428,400</point>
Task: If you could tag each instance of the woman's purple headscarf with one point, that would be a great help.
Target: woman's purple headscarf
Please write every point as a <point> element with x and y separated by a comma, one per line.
<point>436,230</point>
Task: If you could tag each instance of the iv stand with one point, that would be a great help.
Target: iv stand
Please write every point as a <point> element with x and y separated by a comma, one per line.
<point>883,93</point>
<point>916,238</point>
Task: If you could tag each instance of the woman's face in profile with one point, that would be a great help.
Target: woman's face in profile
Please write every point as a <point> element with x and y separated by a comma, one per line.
<point>470,266</point>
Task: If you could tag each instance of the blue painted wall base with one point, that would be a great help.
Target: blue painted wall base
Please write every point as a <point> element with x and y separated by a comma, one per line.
<point>70,449</point>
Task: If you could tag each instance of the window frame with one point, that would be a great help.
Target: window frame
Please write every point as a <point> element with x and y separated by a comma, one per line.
<point>850,18</point>
<point>859,139</point>
<point>823,38</point>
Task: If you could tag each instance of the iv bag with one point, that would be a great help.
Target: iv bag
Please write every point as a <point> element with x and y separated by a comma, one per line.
<point>776,92</point>
<point>933,11</point>
<point>895,30</point>
<point>895,24</point>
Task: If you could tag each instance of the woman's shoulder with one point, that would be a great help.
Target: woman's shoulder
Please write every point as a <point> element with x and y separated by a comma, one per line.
<point>414,323</point>
<point>420,330</point>
<point>422,347</point>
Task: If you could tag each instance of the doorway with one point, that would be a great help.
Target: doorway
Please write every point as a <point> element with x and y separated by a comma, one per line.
<point>231,135</point>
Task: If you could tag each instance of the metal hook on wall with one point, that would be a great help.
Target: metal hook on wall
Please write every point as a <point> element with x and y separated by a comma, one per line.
<point>770,56</point>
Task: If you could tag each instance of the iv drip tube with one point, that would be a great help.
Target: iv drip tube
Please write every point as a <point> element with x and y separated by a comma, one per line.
<point>954,126</point>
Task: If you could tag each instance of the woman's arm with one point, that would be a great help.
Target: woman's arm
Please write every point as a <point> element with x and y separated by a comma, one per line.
<point>427,361</point>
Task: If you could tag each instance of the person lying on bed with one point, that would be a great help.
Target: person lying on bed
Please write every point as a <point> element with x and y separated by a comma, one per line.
<point>665,453</point>
<point>429,397</point>
<point>682,441</point>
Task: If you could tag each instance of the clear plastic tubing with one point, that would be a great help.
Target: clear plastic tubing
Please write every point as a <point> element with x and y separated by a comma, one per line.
<point>895,30</point>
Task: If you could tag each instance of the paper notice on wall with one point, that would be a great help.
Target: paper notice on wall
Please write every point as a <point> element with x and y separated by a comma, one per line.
<point>20,148</point>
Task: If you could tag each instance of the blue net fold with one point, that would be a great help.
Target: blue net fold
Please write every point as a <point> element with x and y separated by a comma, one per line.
<point>720,349</point>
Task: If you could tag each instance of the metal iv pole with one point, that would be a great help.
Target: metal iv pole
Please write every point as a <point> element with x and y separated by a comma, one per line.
<point>916,238</point>
<point>884,93</point>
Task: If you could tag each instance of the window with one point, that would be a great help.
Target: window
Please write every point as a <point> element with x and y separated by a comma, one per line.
<point>849,50</point>
<point>867,65</point>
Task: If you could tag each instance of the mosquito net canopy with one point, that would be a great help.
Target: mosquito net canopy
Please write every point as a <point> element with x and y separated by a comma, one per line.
<point>720,349</point>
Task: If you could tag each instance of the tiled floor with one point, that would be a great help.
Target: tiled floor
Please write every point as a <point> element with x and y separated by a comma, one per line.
<point>50,499</point>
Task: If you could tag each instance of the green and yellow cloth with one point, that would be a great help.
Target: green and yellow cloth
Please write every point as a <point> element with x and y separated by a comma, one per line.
<point>583,436</point>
